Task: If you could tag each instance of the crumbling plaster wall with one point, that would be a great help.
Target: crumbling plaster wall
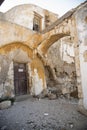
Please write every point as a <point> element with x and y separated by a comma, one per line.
<point>2,15</point>
<point>18,45</point>
<point>81,21</point>
<point>15,42</point>
<point>36,77</point>
<point>60,58</point>
<point>62,65</point>
<point>11,32</point>
<point>21,15</point>
<point>24,15</point>
<point>74,25</point>
<point>69,24</point>
<point>4,68</point>
<point>9,56</point>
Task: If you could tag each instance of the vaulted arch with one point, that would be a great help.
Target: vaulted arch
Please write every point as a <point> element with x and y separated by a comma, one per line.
<point>5,49</point>
<point>44,46</point>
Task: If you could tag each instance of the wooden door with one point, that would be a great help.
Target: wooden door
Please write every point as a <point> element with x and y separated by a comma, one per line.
<point>20,78</point>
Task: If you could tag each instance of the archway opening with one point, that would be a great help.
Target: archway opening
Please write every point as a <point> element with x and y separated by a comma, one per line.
<point>16,57</point>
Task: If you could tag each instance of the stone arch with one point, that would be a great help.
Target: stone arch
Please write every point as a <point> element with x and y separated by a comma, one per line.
<point>64,73</point>
<point>18,34</point>
<point>45,45</point>
<point>5,49</point>
<point>15,33</point>
<point>13,52</point>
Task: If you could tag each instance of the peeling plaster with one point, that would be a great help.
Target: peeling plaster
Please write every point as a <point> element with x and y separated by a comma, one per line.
<point>37,84</point>
<point>85,56</point>
<point>86,19</point>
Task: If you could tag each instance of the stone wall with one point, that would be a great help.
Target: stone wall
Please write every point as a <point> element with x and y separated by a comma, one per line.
<point>24,15</point>
<point>19,53</point>
<point>60,58</point>
<point>4,67</point>
<point>2,15</point>
<point>81,22</point>
<point>7,70</point>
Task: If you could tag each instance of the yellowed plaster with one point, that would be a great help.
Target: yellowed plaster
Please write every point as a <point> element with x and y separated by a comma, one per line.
<point>85,56</point>
<point>85,41</point>
<point>51,40</point>
<point>13,46</point>
<point>38,65</point>
<point>34,40</point>
<point>86,19</point>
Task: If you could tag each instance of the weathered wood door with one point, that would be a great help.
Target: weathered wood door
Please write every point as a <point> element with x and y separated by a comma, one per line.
<point>20,78</point>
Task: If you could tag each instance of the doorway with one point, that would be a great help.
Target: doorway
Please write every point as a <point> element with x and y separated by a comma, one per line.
<point>20,79</point>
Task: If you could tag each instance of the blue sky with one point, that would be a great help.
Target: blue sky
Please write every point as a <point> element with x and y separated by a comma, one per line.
<point>57,6</point>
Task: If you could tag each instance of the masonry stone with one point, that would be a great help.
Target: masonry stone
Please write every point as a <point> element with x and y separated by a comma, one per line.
<point>5,104</point>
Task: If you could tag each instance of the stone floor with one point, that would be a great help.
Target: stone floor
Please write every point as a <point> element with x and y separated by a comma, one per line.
<point>43,114</point>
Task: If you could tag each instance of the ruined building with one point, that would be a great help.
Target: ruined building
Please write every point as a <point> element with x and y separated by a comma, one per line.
<point>39,51</point>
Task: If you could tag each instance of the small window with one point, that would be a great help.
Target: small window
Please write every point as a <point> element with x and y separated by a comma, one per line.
<point>37,23</point>
<point>47,21</point>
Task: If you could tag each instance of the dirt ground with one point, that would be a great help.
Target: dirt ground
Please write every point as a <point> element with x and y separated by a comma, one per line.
<point>43,114</point>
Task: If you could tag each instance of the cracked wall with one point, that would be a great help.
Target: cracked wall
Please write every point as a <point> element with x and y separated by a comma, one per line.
<point>20,53</point>
<point>81,23</point>
<point>66,59</point>
<point>24,14</point>
<point>60,58</point>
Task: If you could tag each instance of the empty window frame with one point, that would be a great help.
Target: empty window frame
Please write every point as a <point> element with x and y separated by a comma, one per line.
<point>37,22</point>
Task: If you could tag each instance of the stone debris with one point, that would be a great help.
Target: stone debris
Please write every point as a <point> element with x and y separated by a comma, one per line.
<point>30,122</point>
<point>71,125</point>
<point>46,114</point>
<point>5,104</point>
<point>52,96</point>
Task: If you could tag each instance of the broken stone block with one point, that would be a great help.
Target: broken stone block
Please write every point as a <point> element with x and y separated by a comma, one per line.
<point>65,91</point>
<point>52,96</point>
<point>43,94</point>
<point>5,104</point>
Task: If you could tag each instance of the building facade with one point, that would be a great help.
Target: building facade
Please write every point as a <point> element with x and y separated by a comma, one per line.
<point>39,50</point>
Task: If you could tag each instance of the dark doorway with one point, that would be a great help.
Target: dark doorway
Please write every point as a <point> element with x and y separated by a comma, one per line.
<point>20,79</point>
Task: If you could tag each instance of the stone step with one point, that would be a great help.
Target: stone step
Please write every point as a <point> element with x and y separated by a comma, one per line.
<point>22,97</point>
